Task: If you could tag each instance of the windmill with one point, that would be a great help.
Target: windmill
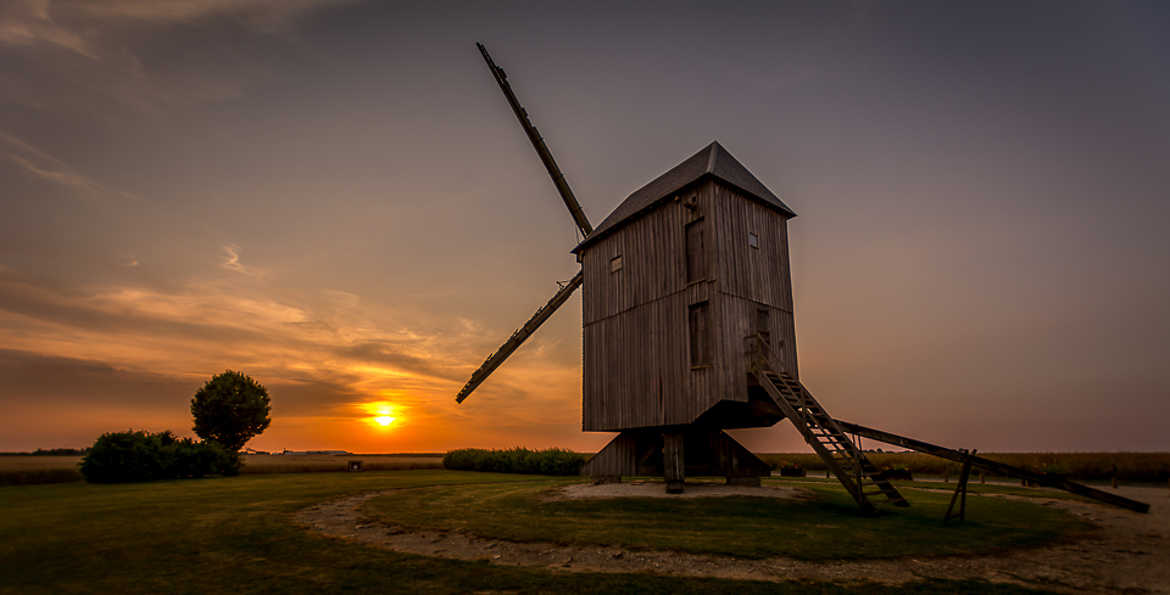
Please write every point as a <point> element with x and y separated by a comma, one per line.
<point>688,331</point>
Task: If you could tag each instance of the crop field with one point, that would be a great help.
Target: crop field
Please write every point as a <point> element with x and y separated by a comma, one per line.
<point>1144,467</point>
<point>325,463</point>
<point>1147,467</point>
<point>31,469</point>
<point>239,534</point>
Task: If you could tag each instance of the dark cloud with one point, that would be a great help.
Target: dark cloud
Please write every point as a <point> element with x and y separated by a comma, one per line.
<point>44,304</point>
<point>62,382</point>
<point>386,353</point>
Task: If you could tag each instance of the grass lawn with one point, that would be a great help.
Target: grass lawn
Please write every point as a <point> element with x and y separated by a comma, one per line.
<point>234,535</point>
<point>829,527</point>
<point>974,488</point>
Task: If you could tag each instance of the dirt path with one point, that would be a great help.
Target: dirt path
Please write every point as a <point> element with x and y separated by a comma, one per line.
<point>1130,553</point>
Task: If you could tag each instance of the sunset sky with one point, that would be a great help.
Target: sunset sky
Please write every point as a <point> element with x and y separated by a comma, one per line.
<point>334,198</point>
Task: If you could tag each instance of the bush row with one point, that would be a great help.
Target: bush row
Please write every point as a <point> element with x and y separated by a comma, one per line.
<point>554,461</point>
<point>142,456</point>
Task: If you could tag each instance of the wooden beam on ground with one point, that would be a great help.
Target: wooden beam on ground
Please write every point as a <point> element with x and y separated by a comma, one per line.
<point>996,467</point>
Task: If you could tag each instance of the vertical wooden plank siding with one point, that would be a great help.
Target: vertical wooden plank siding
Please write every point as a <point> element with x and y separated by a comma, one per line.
<point>752,278</point>
<point>637,346</point>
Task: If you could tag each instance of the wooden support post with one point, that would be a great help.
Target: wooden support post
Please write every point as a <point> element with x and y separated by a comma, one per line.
<point>960,491</point>
<point>673,462</point>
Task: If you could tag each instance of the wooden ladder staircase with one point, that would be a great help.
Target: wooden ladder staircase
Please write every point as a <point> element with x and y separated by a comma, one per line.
<point>843,458</point>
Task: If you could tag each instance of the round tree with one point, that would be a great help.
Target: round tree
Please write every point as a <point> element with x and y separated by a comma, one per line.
<point>230,409</point>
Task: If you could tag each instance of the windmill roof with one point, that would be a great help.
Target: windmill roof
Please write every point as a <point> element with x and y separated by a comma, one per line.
<point>713,160</point>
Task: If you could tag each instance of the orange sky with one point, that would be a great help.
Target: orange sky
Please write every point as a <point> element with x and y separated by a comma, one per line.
<point>334,198</point>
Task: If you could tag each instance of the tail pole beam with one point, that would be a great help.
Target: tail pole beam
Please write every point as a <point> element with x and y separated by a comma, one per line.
<point>996,467</point>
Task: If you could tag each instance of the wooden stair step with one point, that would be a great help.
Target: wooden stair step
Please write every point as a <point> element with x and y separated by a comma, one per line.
<point>859,476</point>
<point>855,472</point>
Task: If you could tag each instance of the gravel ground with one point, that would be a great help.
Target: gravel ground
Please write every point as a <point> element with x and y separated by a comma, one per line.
<point>1129,553</point>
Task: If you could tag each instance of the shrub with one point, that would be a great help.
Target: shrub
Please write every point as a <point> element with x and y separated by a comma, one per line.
<point>553,461</point>
<point>118,457</point>
<point>792,470</point>
<point>198,459</point>
<point>897,472</point>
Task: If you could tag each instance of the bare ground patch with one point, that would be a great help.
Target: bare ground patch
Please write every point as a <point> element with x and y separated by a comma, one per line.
<point>1129,552</point>
<point>654,489</point>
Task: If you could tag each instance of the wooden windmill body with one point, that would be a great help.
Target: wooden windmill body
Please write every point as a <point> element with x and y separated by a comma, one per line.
<point>676,278</point>
<point>689,331</point>
<point>687,309</point>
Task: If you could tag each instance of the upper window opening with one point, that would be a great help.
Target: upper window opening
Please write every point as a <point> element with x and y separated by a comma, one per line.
<point>753,240</point>
<point>696,251</point>
<point>615,264</point>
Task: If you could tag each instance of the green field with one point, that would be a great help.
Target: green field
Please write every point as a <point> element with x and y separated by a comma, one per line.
<point>827,528</point>
<point>236,535</point>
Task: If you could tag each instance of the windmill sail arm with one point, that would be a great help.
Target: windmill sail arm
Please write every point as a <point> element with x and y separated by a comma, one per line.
<point>546,157</point>
<point>513,343</point>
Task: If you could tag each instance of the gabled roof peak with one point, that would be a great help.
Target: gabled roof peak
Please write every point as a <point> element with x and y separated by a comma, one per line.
<point>713,160</point>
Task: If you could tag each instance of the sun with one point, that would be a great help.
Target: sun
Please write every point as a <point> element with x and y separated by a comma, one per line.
<point>380,414</point>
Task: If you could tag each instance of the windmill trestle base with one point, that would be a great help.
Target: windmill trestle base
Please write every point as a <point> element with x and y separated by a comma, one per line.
<point>674,453</point>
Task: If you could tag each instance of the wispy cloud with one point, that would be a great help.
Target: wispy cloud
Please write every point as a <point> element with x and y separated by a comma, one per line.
<point>77,26</point>
<point>48,168</point>
<point>200,326</point>
<point>232,262</point>
<point>324,358</point>
<point>263,14</point>
<point>29,22</point>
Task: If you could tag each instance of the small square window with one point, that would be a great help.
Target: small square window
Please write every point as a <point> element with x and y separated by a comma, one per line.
<point>615,264</point>
<point>753,240</point>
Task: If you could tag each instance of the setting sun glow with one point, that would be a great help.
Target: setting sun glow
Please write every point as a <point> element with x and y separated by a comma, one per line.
<point>380,414</point>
